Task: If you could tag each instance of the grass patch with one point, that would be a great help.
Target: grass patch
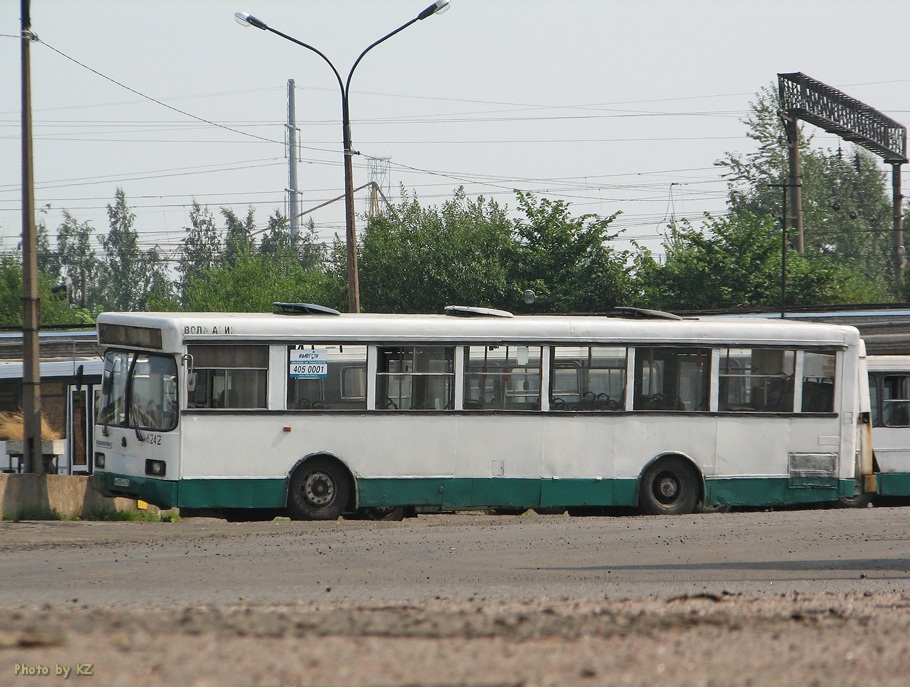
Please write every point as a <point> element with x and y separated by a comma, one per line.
<point>133,516</point>
<point>36,513</point>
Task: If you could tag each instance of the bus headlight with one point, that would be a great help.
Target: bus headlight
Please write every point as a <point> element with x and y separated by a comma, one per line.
<point>99,460</point>
<point>155,468</point>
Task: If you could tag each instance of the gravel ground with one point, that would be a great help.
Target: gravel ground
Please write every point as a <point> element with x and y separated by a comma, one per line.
<point>828,638</point>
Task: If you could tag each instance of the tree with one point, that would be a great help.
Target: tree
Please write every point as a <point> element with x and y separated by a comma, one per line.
<point>120,269</point>
<point>276,241</point>
<point>735,262</point>
<point>846,205</point>
<point>78,260</point>
<point>238,235</point>
<point>251,284</point>
<point>568,261</point>
<point>311,253</point>
<point>416,259</point>
<point>47,258</point>
<point>129,277</point>
<point>202,246</point>
<point>54,307</point>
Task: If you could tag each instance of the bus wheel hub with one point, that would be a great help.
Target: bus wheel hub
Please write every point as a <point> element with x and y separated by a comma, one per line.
<point>319,489</point>
<point>668,487</point>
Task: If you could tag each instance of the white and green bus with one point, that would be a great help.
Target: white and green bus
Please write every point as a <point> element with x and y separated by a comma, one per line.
<point>889,387</point>
<point>320,414</point>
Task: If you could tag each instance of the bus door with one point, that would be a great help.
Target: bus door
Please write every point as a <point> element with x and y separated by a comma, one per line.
<point>80,422</point>
<point>891,418</point>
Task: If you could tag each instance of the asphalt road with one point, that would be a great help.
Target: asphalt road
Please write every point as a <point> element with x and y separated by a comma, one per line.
<point>790,598</point>
<point>459,556</point>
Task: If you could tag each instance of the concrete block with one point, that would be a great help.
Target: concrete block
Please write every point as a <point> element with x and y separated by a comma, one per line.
<point>72,496</point>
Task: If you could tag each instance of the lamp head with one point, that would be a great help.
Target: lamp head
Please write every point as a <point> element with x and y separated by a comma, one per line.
<point>246,19</point>
<point>437,7</point>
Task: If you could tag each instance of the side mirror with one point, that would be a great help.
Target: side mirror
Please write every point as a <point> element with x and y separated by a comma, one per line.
<point>106,382</point>
<point>187,360</point>
<point>79,376</point>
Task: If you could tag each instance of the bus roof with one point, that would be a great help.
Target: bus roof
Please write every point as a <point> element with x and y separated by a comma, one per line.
<point>61,367</point>
<point>179,329</point>
<point>888,363</point>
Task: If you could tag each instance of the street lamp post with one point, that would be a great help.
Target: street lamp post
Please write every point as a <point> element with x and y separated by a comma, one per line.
<point>350,231</point>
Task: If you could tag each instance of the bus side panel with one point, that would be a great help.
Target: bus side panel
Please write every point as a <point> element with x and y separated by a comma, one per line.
<point>451,461</point>
<point>228,456</point>
<point>764,460</point>
<point>892,448</point>
<point>892,453</point>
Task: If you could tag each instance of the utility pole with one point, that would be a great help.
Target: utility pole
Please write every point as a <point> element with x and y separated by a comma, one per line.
<point>783,245</point>
<point>31,377</point>
<point>900,253</point>
<point>792,129</point>
<point>293,211</point>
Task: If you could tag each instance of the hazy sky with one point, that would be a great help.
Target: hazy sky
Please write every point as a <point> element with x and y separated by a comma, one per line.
<point>610,105</point>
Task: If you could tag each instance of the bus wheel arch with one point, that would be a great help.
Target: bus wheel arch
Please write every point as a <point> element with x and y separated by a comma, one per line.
<point>670,484</point>
<point>320,487</point>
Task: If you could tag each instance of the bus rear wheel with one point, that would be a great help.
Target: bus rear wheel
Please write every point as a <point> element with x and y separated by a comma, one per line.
<point>668,487</point>
<point>320,489</point>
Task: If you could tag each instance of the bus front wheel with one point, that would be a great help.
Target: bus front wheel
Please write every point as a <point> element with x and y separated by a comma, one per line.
<point>319,490</point>
<point>668,487</point>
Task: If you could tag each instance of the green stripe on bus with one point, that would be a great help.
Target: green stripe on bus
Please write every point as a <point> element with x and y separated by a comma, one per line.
<point>233,493</point>
<point>462,492</point>
<point>452,492</point>
<point>893,483</point>
<point>158,492</point>
<point>777,491</point>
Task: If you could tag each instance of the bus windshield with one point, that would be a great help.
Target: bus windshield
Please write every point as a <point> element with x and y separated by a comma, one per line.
<point>139,390</point>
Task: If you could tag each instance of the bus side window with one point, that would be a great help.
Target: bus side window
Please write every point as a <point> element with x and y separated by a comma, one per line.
<point>502,377</point>
<point>669,378</point>
<point>756,379</point>
<point>587,378</point>
<point>327,377</point>
<point>875,399</point>
<point>416,378</point>
<point>229,376</point>
<point>896,401</point>
<point>818,382</point>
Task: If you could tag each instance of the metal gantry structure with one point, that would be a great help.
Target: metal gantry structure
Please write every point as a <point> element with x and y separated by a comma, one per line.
<point>805,98</point>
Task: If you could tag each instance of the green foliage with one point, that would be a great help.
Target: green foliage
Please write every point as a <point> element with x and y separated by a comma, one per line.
<point>202,247</point>
<point>77,259</point>
<point>47,258</point>
<point>567,261</point>
<point>735,262</point>
<point>115,515</point>
<point>53,307</point>
<point>36,513</point>
<point>129,276</point>
<point>252,284</point>
<point>310,252</point>
<point>468,252</point>
<point>238,235</point>
<point>416,259</point>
